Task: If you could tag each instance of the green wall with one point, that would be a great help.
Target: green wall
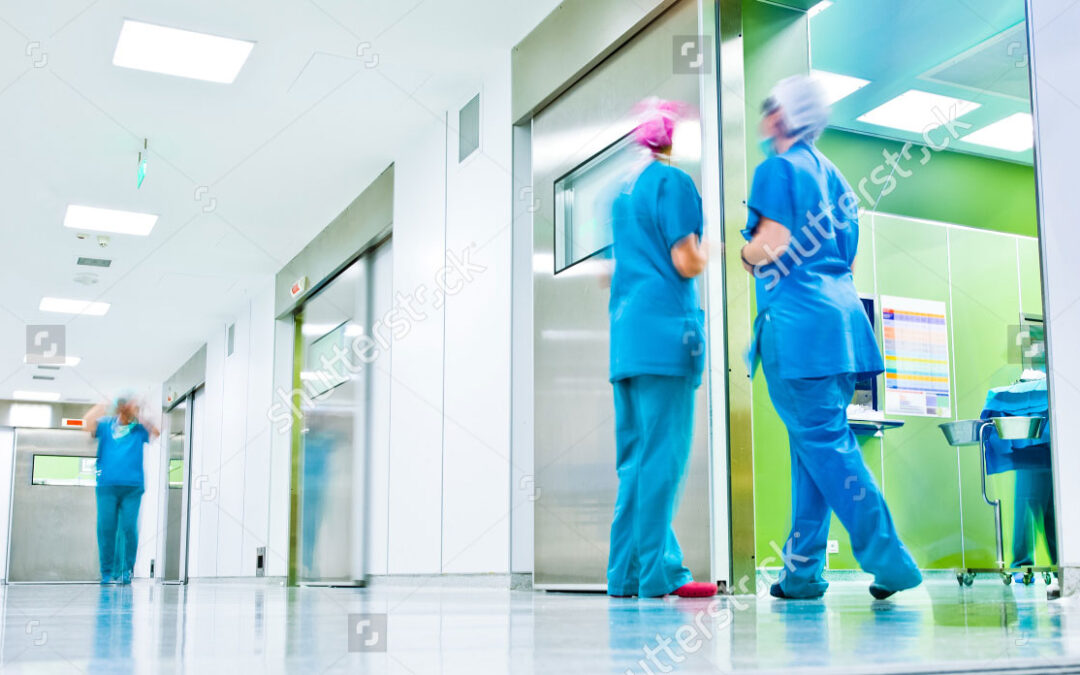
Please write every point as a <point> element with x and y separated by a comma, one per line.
<point>984,278</point>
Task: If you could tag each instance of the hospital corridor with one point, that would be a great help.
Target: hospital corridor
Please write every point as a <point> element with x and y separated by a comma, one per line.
<point>564,336</point>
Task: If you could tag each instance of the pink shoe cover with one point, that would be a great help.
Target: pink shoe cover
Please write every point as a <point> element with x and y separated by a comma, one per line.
<point>696,589</point>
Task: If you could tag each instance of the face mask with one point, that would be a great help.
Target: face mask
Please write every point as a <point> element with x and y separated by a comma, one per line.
<point>767,147</point>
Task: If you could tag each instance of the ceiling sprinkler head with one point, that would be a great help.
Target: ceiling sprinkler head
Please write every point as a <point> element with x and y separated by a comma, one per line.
<point>102,241</point>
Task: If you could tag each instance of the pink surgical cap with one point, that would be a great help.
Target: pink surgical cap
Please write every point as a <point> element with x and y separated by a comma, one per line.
<point>657,122</point>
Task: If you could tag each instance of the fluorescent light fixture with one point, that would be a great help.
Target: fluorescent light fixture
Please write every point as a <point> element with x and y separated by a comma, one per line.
<point>1015,133</point>
<point>918,111</point>
<point>30,415</point>
<point>818,8</point>
<point>36,395</point>
<point>108,220</point>
<point>838,86</point>
<point>67,306</point>
<point>68,361</point>
<point>171,51</point>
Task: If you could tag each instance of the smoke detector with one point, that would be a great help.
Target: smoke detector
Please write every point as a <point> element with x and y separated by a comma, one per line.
<point>86,278</point>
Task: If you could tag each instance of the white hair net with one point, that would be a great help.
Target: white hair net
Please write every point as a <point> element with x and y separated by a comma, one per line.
<point>802,104</point>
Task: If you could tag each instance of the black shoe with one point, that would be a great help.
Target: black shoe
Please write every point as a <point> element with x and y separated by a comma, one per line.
<point>880,592</point>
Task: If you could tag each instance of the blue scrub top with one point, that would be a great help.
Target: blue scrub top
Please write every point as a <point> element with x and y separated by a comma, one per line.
<point>657,326</point>
<point>120,453</point>
<point>808,295</point>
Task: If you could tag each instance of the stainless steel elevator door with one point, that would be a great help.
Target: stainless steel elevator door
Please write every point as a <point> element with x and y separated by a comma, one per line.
<point>53,527</point>
<point>340,330</point>
<point>574,408</point>
<point>178,425</point>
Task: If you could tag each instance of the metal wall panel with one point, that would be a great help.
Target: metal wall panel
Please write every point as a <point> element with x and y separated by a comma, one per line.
<point>574,411</point>
<point>568,43</point>
<point>53,528</point>
<point>362,224</point>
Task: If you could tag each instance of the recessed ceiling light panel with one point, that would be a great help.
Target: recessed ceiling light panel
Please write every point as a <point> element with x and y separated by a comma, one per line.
<point>1015,133</point>
<point>838,86</point>
<point>36,395</point>
<point>918,111</point>
<point>68,306</point>
<point>109,220</point>
<point>183,53</point>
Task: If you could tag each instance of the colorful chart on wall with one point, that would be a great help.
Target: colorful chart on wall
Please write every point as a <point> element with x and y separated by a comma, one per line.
<point>916,357</point>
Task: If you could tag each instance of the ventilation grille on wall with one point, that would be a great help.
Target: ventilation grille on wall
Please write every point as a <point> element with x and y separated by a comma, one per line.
<point>230,339</point>
<point>469,129</point>
<point>94,262</point>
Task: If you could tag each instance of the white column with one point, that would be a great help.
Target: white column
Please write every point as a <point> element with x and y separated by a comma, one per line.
<point>1055,67</point>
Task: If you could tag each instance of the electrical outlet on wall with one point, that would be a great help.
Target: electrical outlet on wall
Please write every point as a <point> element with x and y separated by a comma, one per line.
<point>833,546</point>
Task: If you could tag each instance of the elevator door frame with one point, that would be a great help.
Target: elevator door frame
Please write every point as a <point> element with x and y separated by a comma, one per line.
<point>366,256</point>
<point>185,495</point>
<point>701,521</point>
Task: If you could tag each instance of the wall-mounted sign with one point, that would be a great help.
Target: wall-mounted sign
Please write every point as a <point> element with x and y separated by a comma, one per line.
<point>67,422</point>
<point>298,287</point>
<point>917,378</point>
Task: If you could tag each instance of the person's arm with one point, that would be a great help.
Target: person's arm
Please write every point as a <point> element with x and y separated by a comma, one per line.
<point>682,224</point>
<point>690,256</point>
<point>93,417</point>
<point>770,241</point>
<point>151,429</point>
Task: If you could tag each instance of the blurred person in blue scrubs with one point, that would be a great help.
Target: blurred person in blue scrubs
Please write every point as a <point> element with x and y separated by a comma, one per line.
<point>814,342</point>
<point>657,356</point>
<point>121,438</point>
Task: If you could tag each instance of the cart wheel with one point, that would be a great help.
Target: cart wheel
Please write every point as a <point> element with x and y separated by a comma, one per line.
<point>1048,578</point>
<point>1006,578</point>
<point>1029,578</point>
<point>969,578</point>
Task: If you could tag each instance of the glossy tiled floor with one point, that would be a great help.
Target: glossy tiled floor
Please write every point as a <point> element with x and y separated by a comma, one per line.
<point>245,628</point>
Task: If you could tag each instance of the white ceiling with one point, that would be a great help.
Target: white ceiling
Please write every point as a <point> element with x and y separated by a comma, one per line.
<point>277,154</point>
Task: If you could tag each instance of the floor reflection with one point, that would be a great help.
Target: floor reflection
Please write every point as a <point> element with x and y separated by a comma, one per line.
<point>260,626</point>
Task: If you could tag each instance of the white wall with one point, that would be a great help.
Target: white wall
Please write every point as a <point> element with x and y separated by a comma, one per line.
<point>230,463</point>
<point>1055,60</point>
<point>440,484</point>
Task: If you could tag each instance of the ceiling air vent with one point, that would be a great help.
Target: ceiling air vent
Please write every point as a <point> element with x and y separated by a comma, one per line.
<point>998,65</point>
<point>43,377</point>
<point>94,262</point>
<point>41,367</point>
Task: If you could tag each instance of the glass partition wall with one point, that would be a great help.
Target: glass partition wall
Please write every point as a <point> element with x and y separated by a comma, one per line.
<point>932,128</point>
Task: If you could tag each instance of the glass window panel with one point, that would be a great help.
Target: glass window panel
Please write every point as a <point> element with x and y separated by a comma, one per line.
<point>64,470</point>
<point>583,200</point>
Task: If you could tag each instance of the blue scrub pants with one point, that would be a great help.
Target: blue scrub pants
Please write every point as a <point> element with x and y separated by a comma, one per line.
<point>828,474</point>
<point>654,418</point>
<point>117,510</point>
<point>1034,500</point>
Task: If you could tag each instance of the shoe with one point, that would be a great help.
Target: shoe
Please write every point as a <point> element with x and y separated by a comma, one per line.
<point>778,592</point>
<point>881,592</point>
<point>125,580</point>
<point>109,581</point>
<point>696,589</point>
